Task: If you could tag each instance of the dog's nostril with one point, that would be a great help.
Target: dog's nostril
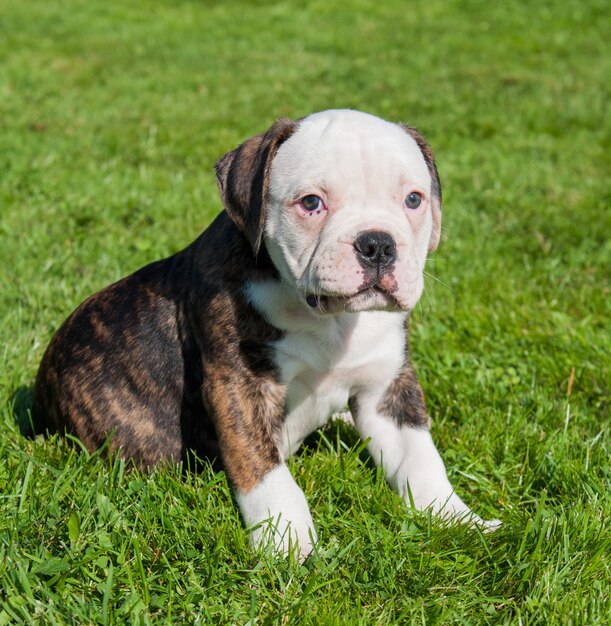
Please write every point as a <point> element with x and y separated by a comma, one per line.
<point>375,248</point>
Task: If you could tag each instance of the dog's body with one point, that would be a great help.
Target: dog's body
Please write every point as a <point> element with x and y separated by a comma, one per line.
<point>291,305</point>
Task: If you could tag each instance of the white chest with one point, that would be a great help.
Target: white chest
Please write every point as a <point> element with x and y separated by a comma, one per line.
<point>322,370</point>
<point>325,360</point>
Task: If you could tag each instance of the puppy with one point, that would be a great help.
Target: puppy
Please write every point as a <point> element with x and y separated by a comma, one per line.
<point>293,304</point>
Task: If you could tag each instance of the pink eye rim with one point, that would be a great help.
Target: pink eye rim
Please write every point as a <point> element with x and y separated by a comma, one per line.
<point>312,204</point>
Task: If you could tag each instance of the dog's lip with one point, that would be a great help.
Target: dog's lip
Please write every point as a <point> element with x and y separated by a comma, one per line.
<point>324,302</point>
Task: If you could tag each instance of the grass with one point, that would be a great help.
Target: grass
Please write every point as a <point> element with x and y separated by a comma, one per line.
<point>111,116</point>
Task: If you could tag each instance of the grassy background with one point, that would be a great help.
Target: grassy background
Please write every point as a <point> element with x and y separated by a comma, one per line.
<point>111,116</point>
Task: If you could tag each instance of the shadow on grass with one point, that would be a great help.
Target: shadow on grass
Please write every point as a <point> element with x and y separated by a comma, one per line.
<point>337,435</point>
<point>21,404</point>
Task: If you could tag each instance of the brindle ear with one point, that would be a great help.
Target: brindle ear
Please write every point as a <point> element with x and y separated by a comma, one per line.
<point>242,176</point>
<point>429,159</point>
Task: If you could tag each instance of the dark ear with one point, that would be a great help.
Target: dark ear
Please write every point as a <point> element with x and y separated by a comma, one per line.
<point>242,176</point>
<point>429,159</point>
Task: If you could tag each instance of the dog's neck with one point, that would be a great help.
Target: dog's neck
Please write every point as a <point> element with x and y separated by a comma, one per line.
<point>285,308</point>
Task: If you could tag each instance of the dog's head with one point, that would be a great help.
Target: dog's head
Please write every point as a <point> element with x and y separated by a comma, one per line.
<point>347,205</point>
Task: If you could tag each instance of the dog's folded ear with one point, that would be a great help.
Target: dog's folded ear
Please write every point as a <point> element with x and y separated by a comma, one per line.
<point>429,159</point>
<point>242,176</point>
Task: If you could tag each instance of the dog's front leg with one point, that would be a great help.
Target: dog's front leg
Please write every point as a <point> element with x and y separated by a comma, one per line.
<point>278,514</point>
<point>400,441</point>
<point>274,508</point>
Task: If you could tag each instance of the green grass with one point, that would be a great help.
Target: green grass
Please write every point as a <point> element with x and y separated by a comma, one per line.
<point>111,116</point>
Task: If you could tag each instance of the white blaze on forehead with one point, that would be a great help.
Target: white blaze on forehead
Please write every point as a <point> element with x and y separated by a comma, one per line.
<point>347,151</point>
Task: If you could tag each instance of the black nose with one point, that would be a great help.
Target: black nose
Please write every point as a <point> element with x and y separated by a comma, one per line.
<point>375,248</point>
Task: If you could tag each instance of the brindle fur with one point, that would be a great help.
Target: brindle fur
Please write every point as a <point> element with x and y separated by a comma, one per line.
<point>172,359</point>
<point>429,159</point>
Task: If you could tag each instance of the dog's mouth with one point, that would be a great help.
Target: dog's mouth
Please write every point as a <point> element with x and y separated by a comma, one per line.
<point>372,298</point>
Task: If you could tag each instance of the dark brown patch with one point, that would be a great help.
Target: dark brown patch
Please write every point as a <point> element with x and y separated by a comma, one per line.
<point>172,360</point>
<point>403,401</point>
<point>243,179</point>
<point>429,159</point>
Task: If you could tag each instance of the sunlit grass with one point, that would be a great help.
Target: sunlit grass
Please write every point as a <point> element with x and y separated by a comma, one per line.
<point>111,117</point>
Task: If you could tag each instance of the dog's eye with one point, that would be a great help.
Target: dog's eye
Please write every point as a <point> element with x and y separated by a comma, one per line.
<point>312,203</point>
<point>413,200</point>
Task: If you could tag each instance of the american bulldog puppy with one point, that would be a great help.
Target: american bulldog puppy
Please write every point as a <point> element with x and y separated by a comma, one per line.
<point>294,303</point>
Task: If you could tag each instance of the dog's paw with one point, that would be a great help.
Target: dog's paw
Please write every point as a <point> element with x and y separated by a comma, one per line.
<point>451,509</point>
<point>472,520</point>
<point>464,515</point>
<point>283,537</point>
<point>489,526</point>
<point>278,516</point>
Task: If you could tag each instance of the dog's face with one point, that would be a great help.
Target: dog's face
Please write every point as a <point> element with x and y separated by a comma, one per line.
<point>350,206</point>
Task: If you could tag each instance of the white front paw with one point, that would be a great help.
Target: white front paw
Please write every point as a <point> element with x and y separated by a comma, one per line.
<point>418,473</point>
<point>448,506</point>
<point>489,526</point>
<point>284,536</point>
<point>278,515</point>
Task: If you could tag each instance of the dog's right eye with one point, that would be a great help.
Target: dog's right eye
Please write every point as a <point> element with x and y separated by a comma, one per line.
<point>312,203</point>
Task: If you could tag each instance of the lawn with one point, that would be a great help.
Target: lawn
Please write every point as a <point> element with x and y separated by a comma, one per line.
<point>111,117</point>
